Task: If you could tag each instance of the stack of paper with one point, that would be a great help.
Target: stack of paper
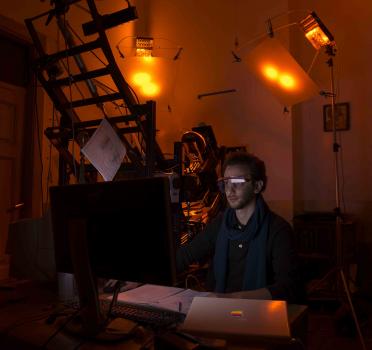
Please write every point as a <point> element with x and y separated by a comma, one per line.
<point>170,298</point>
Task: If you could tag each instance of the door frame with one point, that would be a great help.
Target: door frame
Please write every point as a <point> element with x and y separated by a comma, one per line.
<point>31,172</point>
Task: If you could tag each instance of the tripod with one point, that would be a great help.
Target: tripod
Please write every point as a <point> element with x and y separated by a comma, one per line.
<point>338,270</point>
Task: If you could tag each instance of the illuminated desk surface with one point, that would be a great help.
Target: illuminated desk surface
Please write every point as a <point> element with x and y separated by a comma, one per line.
<point>23,314</point>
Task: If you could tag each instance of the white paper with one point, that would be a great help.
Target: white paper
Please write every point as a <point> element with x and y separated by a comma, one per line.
<point>148,293</point>
<point>170,298</point>
<point>105,150</point>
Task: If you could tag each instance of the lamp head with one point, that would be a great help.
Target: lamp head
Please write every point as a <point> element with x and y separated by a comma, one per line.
<point>144,46</point>
<point>316,32</point>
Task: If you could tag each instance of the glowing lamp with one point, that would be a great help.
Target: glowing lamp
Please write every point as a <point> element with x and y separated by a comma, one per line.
<point>274,66</point>
<point>316,32</point>
<point>144,46</point>
<point>149,66</point>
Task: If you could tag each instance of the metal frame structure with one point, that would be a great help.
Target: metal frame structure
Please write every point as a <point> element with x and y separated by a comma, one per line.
<point>139,124</point>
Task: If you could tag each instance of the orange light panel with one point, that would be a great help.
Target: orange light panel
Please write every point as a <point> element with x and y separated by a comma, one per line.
<point>287,81</point>
<point>270,72</point>
<point>276,68</point>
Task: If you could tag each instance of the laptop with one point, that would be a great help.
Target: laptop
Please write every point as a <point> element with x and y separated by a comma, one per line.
<point>238,320</point>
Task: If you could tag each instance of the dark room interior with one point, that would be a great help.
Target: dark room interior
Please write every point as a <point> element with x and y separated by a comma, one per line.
<point>159,157</point>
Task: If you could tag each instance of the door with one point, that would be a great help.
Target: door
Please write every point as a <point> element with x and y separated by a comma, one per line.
<point>12,102</point>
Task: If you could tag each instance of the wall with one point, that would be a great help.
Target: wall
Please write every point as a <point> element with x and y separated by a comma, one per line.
<point>252,117</point>
<point>314,175</point>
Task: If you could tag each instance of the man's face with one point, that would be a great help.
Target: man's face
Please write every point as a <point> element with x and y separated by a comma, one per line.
<point>239,195</point>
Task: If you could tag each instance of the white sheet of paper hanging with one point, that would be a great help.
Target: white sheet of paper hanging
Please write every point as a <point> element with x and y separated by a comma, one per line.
<point>105,150</point>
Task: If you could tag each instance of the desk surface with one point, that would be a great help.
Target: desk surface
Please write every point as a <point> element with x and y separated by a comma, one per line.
<point>23,315</point>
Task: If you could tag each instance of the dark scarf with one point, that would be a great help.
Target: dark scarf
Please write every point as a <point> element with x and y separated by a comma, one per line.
<point>255,233</point>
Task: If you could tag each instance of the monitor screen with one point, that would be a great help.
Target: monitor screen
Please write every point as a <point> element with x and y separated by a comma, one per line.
<point>128,227</point>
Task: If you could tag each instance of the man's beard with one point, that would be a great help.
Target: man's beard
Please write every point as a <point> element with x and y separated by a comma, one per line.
<point>243,202</point>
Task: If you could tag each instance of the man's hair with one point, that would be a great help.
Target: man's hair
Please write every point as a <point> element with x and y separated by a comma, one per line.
<point>255,165</point>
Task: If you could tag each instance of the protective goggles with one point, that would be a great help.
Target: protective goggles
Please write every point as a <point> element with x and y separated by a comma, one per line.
<point>235,182</point>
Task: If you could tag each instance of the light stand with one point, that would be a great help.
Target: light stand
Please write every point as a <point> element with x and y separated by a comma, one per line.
<point>338,270</point>
<point>319,36</point>
<point>277,75</point>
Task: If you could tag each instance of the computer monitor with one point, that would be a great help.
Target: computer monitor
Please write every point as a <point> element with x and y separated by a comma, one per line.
<point>128,228</point>
<point>117,230</point>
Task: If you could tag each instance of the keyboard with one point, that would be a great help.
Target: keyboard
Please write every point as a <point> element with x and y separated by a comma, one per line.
<point>144,314</point>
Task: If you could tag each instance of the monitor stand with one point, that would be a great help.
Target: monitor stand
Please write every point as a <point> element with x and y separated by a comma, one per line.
<point>90,322</point>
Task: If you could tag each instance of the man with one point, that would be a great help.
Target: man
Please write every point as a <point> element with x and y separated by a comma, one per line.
<point>251,248</point>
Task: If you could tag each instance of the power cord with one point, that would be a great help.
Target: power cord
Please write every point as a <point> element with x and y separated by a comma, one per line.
<point>298,343</point>
<point>60,328</point>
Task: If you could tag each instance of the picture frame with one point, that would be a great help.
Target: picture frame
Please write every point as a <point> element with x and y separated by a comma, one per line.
<point>342,115</point>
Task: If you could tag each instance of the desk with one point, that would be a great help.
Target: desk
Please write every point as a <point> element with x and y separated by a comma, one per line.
<point>23,313</point>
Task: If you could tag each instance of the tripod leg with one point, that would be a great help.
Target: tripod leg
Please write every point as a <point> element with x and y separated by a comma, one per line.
<point>346,288</point>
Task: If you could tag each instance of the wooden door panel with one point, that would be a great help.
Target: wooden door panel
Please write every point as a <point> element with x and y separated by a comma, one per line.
<point>12,100</point>
<point>7,123</point>
<point>6,175</point>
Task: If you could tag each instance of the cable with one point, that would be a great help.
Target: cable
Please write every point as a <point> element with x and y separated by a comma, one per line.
<point>79,344</point>
<point>59,329</point>
<point>105,64</point>
<point>313,62</point>
<point>342,180</point>
<point>70,92</point>
<point>198,284</point>
<point>50,159</point>
<point>73,82</point>
<point>298,341</point>
<point>81,7</point>
<point>289,12</point>
<point>36,115</point>
<point>82,41</point>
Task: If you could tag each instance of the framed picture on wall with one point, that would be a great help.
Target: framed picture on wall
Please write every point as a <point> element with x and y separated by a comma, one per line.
<point>342,116</point>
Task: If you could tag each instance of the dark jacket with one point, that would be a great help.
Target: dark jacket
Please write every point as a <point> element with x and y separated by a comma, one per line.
<point>282,275</point>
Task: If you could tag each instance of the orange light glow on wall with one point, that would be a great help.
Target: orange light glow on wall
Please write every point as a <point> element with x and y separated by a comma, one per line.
<point>144,81</point>
<point>273,65</point>
<point>149,65</point>
<point>147,59</point>
<point>151,79</point>
<point>150,89</point>
<point>141,78</point>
